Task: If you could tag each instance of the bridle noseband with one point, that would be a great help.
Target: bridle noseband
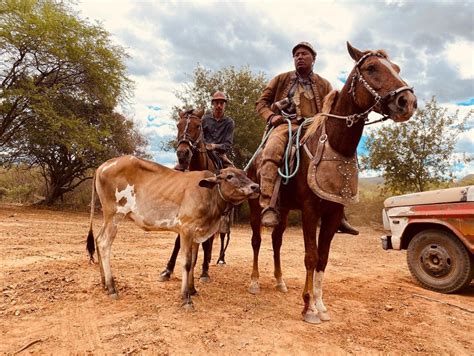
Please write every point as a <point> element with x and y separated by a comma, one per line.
<point>379,100</point>
<point>185,137</point>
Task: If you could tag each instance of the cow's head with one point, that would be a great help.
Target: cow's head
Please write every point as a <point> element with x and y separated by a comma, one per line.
<point>233,184</point>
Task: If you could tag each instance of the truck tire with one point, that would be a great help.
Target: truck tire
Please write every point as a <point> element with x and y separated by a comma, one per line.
<point>439,261</point>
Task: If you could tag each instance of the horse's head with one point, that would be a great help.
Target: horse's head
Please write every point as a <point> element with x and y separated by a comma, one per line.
<point>189,136</point>
<point>375,82</point>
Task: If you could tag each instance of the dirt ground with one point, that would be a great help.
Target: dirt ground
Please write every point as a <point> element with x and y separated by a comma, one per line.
<point>52,301</point>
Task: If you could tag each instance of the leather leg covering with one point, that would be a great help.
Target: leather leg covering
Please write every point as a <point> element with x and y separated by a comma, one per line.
<point>272,156</point>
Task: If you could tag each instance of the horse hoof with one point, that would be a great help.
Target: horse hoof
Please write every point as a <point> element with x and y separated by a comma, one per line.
<point>113,296</point>
<point>221,263</point>
<point>205,279</point>
<point>254,288</point>
<point>164,276</point>
<point>324,316</point>
<point>281,287</point>
<point>312,318</point>
<point>188,307</point>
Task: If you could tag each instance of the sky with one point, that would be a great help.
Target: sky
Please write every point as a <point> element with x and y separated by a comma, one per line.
<point>432,42</point>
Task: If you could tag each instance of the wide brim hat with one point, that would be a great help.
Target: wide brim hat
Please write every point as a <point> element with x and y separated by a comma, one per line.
<point>218,95</point>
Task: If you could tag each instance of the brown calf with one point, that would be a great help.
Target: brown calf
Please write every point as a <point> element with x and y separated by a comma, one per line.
<point>158,198</point>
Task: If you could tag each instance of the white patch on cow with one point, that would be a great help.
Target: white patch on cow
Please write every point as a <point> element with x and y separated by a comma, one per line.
<point>129,194</point>
<point>167,223</point>
<point>318,291</point>
<point>104,168</point>
<point>132,158</point>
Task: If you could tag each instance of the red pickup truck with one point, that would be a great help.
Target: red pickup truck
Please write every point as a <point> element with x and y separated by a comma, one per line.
<point>437,230</point>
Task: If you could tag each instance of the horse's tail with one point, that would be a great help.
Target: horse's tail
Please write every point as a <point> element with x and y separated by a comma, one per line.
<point>90,236</point>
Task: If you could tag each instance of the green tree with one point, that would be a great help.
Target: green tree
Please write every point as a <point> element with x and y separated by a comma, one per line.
<point>242,88</point>
<point>60,81</point>
<point>46,50</point>
<point>419,154</point>
<point>67,148</point>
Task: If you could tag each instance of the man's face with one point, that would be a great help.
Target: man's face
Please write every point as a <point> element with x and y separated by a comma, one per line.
<point>218,107</point>
<point>303,59</point>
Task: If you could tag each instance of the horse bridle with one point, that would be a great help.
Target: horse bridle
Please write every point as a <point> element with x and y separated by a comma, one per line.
<point>379,100</point>
<point>185,137</point>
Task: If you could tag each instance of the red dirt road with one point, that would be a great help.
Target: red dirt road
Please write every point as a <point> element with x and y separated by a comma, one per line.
<point>51,296</point>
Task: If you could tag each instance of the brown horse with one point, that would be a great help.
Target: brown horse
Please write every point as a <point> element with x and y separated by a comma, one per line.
<point>193,156</point>
<point>329,156</point>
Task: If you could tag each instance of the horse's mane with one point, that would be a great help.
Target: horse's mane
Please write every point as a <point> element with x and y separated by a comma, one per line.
<point>320,118</point>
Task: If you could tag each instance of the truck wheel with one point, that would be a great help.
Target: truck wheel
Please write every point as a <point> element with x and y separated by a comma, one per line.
<point>439,261</point>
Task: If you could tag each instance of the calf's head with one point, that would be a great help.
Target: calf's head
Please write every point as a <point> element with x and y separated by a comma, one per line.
<point>233,185</point>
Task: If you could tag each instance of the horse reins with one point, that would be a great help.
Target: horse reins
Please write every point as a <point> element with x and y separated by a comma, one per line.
<point>379,100</point>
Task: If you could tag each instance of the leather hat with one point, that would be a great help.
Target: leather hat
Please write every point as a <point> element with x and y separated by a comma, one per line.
<point>218,95</point>
<point>306,45</point>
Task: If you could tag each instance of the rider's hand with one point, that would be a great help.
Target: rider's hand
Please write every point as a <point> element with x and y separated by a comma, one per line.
<point>276,120</point>
<point>211,146</point>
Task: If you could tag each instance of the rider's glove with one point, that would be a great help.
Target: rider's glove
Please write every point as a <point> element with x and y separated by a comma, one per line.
<point>211,146</point>
<point>276,120</point>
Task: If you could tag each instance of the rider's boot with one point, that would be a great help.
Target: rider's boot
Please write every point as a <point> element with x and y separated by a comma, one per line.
<point>346,228</point>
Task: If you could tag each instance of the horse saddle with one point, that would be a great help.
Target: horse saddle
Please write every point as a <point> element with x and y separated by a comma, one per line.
<point>332,176</point>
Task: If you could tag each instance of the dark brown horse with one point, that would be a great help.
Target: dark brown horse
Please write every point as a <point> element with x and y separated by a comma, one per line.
<point>193,156</point>
<point>329,154</point>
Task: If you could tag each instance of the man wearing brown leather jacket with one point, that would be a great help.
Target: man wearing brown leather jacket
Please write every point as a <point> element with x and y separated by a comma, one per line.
<point>299,94</point>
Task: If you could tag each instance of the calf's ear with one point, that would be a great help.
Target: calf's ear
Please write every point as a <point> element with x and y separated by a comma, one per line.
<point>208,182</point>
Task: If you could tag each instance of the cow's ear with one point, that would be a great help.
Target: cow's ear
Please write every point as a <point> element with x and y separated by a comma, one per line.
<point>208,182</point>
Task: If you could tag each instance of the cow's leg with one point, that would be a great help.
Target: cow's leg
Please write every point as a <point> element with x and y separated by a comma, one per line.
<point>194,254</point>
<point>277,238</point>
<point>310,219</point>
<point>166,274</point>
<point>104,246</point>
<point>224,244</point>
<point>186,251</point>
<point>255,223</point>
<point>101,268</point>
<point>207,248</point>
<point>329,225</point>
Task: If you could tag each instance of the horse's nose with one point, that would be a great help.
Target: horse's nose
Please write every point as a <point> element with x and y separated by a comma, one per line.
<point>402,102</point>
<point>182,154</point>
<point>406,101</point>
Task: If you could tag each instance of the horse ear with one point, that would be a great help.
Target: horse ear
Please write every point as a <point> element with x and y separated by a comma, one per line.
<point>199,112</point>
<point>180,113</point>
<point>354,52</point>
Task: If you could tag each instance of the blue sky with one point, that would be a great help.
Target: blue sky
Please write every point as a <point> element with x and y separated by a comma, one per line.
<point>167,39</point>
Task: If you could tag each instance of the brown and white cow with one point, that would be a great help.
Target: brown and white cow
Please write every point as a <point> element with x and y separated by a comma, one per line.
<point>158,198</point>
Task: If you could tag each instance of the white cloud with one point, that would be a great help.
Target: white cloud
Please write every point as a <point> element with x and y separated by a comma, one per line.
<point>461,54</point>
<point>166,40</point>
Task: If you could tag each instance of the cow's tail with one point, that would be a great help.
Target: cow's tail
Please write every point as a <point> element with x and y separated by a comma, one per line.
<point>90,236</point>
